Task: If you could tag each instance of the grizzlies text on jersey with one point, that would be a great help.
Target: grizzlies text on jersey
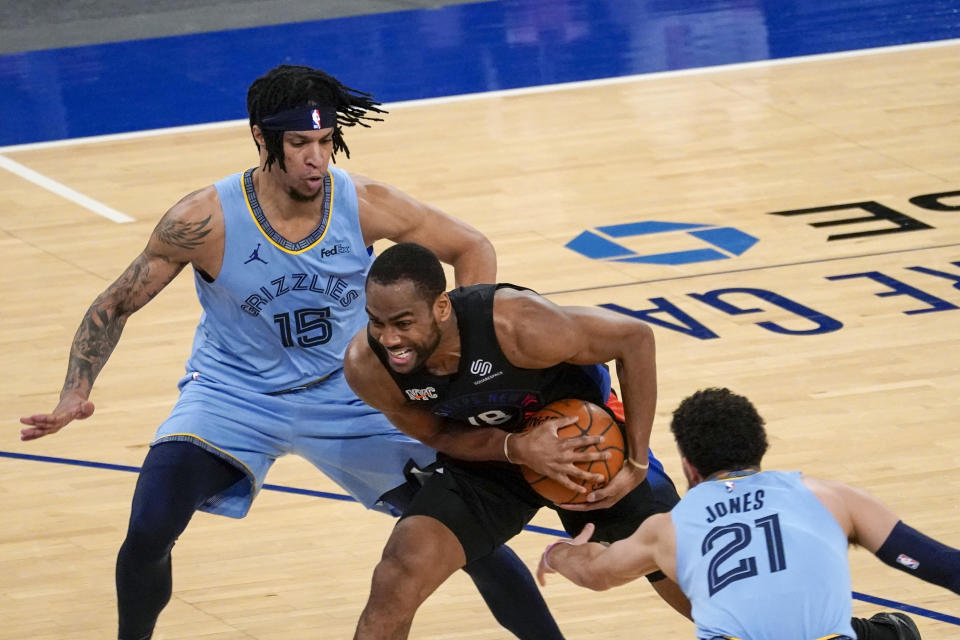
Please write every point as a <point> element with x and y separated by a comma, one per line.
<point>306,296</point>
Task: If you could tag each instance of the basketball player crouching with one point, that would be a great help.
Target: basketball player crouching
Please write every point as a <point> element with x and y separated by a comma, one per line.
<point>459,371</point>
<point>762,554</point>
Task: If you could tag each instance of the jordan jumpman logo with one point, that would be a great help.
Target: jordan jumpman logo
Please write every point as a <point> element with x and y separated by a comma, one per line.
<point>255,255</point>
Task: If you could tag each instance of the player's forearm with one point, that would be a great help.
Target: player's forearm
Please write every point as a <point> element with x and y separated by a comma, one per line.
<point>920,555</point>
<point>638,383</point>
<point>94,341</point>
<point>103,323</point>
<point>485,444</point>
<point>583,565</point>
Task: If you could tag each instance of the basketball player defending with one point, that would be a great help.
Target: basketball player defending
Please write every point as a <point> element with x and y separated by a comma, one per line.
<point>279,256</point>
<point>761,554</point>
<point>459,371</point>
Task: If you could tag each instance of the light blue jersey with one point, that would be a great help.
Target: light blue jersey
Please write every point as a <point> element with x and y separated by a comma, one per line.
<point>265,378</point>
<point>761,558</point>
<point>280,314</point>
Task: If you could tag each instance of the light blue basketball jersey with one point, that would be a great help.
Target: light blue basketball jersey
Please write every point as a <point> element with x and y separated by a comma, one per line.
<point>280,314</point>
<point>761,558</point>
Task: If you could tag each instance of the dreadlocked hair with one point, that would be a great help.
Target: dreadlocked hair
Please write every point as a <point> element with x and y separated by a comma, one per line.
<point>289,86</point>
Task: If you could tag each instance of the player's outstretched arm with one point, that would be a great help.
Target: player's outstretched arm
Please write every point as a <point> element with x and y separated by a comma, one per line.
<point>388,213</point>
<point>871,524</point>
<point>178,238</point>
<point>599,567</point>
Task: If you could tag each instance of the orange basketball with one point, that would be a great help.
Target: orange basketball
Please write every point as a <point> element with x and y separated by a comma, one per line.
<point>591,420</point>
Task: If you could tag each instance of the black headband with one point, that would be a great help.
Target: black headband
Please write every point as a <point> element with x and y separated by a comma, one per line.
<point>301,119</point>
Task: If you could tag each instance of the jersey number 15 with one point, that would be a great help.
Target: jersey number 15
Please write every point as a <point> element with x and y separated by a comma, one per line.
<point>312,327</point>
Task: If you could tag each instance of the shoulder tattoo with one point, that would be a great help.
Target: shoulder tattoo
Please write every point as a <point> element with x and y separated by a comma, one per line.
<point>185,235</point>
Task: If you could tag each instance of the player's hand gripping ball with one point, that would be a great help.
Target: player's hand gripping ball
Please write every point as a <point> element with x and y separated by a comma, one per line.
<point>591,421</point>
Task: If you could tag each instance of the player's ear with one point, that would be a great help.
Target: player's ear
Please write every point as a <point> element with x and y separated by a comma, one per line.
<point>257,135</point>
<point>442,307</point>
<point>693,476</point>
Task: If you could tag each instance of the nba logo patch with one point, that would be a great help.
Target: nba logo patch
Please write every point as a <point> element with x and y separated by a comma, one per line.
<point>729,485</point>
<point>316,119</point>
<point>907,561</point>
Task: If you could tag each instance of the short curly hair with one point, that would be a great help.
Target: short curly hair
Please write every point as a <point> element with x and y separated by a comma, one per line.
<point>718,430</point>
<point>413,262</point>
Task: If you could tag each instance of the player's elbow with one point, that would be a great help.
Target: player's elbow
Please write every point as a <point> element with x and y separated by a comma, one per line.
<point>110,309</point>
<point>639,343</point>
<point>473,240</point>
<point>475,261</point>
<point>643,334</point>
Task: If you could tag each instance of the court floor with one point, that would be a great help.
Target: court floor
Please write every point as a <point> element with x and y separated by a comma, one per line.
<point>789,229</point>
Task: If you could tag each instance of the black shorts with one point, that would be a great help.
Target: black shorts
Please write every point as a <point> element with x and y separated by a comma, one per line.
<point>485,504</point>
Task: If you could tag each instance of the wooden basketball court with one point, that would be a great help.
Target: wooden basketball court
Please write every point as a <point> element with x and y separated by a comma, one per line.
<point>848,346</point>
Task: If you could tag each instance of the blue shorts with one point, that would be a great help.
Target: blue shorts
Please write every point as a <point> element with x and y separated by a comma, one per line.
<point>354,445</point>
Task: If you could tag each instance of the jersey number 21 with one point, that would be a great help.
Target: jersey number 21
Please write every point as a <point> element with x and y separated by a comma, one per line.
<point>737,536</point>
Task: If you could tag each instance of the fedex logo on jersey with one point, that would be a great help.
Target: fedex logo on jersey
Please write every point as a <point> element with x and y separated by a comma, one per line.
<point>336,250</point>
<point>421,394</point>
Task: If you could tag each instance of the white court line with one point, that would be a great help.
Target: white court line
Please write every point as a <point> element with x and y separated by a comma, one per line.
<point>659,75</point>
<point>116,216</point>
<point>63,191</point>
<point>111,137</point>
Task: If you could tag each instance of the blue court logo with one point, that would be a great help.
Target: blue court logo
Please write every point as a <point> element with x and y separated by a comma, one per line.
<point>723,242</point>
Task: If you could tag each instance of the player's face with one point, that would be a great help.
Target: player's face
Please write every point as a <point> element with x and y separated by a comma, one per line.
<point>306,155</point>
<point>403,323</point>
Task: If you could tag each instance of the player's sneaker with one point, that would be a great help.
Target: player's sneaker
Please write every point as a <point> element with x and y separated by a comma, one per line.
<point>900,622</point>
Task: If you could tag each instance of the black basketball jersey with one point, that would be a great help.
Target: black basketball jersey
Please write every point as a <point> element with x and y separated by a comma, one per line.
<point>486,390</point>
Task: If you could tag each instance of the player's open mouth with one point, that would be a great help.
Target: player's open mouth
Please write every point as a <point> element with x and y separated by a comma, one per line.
<point>400,355</point>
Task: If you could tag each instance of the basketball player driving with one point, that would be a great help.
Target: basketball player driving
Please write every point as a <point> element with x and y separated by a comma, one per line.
<point>460,371</point>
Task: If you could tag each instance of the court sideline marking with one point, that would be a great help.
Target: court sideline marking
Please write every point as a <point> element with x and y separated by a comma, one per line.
<point>934,615</point>
<point>116,216</point>
<point>64,191</point>
<point>506,93</point>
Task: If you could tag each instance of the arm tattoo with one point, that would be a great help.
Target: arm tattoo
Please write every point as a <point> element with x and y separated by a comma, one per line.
<point>103,323</point>
<point>185,235</point>
<point>98,334</point>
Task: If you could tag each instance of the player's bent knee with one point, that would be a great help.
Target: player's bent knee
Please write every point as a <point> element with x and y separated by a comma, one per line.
<point>147,542</point>
<point>420,554</point>
<point>398,583</point>
<point>405,563</point>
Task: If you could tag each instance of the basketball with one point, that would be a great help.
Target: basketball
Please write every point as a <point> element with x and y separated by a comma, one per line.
<point>591,421</point>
